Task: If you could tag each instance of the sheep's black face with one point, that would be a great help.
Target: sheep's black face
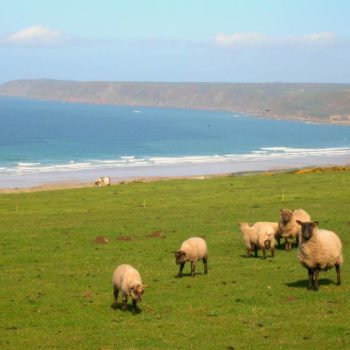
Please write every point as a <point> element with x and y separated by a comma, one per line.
<point>180,257</point>
<point>307,229</point>
<point>267,244</point>
<point>286,215</point>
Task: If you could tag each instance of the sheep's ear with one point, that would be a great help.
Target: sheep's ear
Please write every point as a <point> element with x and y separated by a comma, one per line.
<point>145,286</point>
<point>175,251</point>
<point>299,222</point>
<point>281,210</point>
<point>315,223</point>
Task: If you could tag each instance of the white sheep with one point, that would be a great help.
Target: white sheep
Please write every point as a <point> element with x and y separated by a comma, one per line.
<point>319,250</point>
<point>260,235</point>
<point>103,181</point>
<point>192,249</point>
<point>288,227</point>
<point>127,280</point>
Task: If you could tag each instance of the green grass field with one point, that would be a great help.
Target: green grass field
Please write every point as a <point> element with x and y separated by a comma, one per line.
<point>55,280</point>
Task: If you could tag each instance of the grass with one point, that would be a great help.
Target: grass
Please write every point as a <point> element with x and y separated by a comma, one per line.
<point>55,280</point>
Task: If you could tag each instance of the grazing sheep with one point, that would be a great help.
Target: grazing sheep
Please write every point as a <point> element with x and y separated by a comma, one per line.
<point>103,181</point>
<point>260,235</point>
<point>319,250</point>
<point>192,249</point>
<point>288,227</point>
<point>128,280</point>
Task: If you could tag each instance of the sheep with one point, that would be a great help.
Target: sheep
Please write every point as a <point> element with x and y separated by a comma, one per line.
<point>319,250</point>
<point>192,249</point>
<point>260,235</point>
<point>128,280</point>
<point>103,181</point>
<point>288,227</point>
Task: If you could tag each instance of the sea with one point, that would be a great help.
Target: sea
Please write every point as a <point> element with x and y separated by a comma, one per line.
<point>44,141</point>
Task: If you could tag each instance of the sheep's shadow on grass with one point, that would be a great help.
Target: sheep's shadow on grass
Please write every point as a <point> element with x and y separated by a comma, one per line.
<point>281,247</point>
<point>304,283</point>
<point>119,306</point>
<point>189,274</point>
<point>256,257</point>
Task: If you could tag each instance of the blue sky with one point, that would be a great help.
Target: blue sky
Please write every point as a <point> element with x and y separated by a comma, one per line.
<point>176,40</point>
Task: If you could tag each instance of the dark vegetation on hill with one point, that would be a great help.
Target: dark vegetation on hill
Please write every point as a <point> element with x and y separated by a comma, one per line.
<point>313,102</point>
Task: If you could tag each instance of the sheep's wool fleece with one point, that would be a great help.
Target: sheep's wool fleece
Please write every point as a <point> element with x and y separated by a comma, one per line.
<point>124,277</point>
<point>250,235</point>
<point>293,228</point>
<point>266,230</point>
<point>195,248</point>
<point>322,250</point>
<point>266,225</point>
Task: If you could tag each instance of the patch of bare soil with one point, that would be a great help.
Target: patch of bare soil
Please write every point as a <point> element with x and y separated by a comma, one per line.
<point>101,240</point>
<point>156,234</point>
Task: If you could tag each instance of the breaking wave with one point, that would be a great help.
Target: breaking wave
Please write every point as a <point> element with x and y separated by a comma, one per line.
<point>130,161</point>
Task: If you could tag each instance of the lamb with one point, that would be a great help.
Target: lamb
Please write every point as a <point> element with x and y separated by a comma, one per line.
<point>319,250</point>
<point>128,280</point>
<point>260,235</point>
<point>288,227</point>
<point>192,249</point>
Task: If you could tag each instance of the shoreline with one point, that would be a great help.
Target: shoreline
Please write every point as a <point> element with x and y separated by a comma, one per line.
<point>86,178</point>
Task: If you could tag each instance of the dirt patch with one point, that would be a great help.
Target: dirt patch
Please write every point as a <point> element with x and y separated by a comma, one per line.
<point>291,298</point>
<point>101,240</point>
<point>156,234</point>
<point>124,238</point>
<point>88,294</point>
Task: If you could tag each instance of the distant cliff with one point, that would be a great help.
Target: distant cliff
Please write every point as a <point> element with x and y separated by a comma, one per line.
<point>313,102</point>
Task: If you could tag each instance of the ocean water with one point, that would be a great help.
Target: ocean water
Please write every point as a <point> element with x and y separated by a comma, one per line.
<point>49,137</point>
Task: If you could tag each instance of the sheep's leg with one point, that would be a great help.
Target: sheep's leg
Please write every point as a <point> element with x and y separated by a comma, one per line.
<point>193,268</point>
<point>311,277</point>
<point>205,263</point>
<point>297,241</point>
<point>125,302</point>
<point>337,269</point>
<point>264,252</point>
<point>134,302</point>
<point>115,293</point>
<point>255,250</point>
<point>278,241</point>
<point>317,273</point>
<point>180,269</point>
<point>272,252</point>
<point>286,244</point>
<point>249,252</point>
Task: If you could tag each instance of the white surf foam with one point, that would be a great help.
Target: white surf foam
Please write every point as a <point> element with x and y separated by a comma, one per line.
<point>130,161</point>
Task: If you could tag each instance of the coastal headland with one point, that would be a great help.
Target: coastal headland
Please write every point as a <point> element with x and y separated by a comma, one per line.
<point>312,102</point>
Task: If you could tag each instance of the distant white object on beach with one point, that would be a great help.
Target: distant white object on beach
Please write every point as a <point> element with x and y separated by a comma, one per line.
<point>103,181</point>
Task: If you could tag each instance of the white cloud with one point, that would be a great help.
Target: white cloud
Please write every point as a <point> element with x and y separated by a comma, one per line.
<point>317,37</point>
<point>36,36</point>
<point>255,39</point>
<point>241,38</point>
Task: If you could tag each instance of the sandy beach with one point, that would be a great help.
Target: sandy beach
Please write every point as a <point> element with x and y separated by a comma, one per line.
<point>86,178</point>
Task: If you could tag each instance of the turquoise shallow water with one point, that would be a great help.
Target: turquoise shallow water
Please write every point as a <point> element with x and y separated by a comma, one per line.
<point>45,136</point>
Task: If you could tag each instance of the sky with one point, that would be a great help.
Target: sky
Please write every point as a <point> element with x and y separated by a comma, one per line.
<point>176,40</point>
